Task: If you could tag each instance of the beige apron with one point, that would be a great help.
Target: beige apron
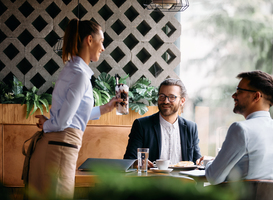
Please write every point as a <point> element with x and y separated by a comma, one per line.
<point>52,165</point>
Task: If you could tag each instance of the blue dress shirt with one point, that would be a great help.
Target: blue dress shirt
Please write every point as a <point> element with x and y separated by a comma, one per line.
<point>72,98</point>
<point>246,152</point>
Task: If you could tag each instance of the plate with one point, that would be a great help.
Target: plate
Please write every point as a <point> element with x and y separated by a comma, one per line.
<point>185,168</point>
<point>161,170</point>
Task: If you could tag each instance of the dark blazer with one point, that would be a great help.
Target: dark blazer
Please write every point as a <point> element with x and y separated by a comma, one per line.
<point>146,133</point>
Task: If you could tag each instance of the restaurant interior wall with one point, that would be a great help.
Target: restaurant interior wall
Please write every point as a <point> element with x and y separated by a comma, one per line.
<point>138,42</point>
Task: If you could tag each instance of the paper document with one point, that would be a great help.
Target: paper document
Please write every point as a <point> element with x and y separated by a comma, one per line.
<point>193,172</point>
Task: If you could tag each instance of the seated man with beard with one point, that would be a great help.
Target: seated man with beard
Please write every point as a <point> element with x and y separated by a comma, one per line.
<point>167,135</point>
<point>246,152</point>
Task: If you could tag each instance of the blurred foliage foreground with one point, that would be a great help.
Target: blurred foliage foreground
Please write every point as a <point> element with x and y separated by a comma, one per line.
<point>121,186</point>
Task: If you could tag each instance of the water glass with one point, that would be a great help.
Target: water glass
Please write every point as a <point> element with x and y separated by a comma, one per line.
<point>142,156</point>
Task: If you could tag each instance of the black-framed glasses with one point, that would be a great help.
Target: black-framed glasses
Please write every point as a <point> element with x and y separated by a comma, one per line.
<point>171,98</point>
<point>238,88</point>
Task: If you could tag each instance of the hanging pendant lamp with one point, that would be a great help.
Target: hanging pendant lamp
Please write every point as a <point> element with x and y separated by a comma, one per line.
<point>167,5</point>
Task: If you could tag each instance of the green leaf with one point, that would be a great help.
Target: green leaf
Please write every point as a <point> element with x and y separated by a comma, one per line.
<point>29,107</point>
<point>97,97</point>
<point>105,78</point>
<point>34,90</point>
<point>141,91</point>
<point>40,108</point>
<point>36,97</point>
<point>36,105</point>
<point>131,94</point>
<point>141,108</point>
<point>45,103</point>
<point>123,80</point>
<point>103,85</point>
<point>17,87</point>
<point>47,97</point>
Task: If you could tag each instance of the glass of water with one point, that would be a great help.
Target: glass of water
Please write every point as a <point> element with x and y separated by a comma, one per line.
<point>142,157</point>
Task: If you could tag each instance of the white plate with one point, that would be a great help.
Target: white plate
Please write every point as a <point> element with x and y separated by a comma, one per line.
<point>161,170</point>
<point>185,168</point>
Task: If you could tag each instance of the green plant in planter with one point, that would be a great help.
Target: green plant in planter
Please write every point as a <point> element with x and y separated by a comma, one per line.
<point>35,101</point>
<point>16,94</point>
<point>104,88</point>
<point>11,95</point>
<point>141,94</point>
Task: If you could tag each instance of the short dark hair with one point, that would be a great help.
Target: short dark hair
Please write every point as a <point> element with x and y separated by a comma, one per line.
<point>177,82</point>
<point>260,81</point>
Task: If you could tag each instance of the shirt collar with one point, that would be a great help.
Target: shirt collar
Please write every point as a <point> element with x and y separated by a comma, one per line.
<point>167,124</point>
<point>258,114</point>
<point>83,66</point>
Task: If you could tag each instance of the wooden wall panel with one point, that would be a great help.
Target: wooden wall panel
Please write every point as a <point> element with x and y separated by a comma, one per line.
<point>103,138</point>
<point>16,114</point>
<point>13,159</point>
<point>1,113</point>
<point>113,119</point>
<point>104,142</point>
<point>1,153</point>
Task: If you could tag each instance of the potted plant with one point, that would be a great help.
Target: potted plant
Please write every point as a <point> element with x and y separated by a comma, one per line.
<point>31,98</point>
<point>141,94</point>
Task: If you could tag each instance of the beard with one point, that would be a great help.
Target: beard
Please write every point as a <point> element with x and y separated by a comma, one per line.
<point>172,109</point>
<point>239,108</point>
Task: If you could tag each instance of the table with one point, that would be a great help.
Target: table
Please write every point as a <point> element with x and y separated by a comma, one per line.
<point>89,179</point>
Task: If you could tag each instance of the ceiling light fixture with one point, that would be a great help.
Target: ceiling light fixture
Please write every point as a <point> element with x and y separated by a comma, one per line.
<point>167,5</point>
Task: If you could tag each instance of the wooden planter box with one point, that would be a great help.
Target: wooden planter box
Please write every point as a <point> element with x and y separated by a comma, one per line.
<point>103,138</point>
<point>16,114</point>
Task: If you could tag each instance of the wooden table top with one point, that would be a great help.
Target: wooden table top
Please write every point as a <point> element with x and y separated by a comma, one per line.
<point>89,179</point>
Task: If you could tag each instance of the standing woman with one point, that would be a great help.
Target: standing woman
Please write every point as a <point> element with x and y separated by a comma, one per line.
<point>53,162</point>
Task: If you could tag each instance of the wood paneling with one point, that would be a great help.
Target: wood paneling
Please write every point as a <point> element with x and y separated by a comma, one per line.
<point>104,142</point>
<point>1,153</point>
<point>103,138</point>
<point>1,113</point>
<point>16,114</point>
<point>14,137</point>
<point>113,119</point>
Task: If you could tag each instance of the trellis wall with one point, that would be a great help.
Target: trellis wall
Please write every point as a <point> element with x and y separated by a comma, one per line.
<point>138,42</point>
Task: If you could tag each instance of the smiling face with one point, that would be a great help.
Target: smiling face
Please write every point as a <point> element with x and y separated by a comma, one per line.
<point>243,98</point>
<point>170,109</point>
<point>96,47</point>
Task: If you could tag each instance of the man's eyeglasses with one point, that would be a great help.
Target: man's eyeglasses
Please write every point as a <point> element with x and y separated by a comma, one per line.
<point>238,88</point>
<point>171,97</point>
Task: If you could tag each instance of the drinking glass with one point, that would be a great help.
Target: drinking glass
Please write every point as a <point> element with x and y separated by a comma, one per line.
<point>142,156</point>
<point>122,91</point>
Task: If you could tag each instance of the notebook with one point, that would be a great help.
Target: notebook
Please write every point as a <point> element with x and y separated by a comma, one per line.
<point>118,164</point>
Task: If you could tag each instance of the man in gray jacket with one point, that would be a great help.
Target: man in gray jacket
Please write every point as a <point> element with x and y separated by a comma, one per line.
<point>246,152</point>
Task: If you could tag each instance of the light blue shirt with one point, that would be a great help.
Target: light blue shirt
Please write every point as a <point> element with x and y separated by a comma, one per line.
<point>246,152</point>
<point>72,98</point>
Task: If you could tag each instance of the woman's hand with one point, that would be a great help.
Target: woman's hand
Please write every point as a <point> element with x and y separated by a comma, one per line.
<point>41,121</point>
<point>110,105</point>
